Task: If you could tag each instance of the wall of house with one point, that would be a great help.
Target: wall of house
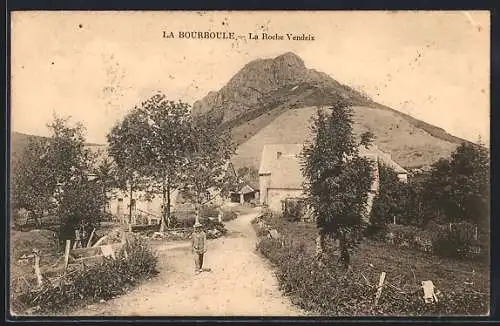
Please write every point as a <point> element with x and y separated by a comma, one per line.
<point>264,180</point>
<point>121,209</point>
<point>275,196</point>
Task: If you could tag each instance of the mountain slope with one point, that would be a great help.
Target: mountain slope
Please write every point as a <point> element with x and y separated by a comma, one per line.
<point>256,103</point>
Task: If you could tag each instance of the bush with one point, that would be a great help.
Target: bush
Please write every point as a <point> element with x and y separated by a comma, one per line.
<point>293,209</point>
<point>209,225</point>
<point>229,216</point>
<point>104,281</point>
<point>458,242</point>
<point>180,221</point>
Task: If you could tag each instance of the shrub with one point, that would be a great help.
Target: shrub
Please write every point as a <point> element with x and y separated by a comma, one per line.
<point>104,281</point>
<point>293,209</point>
<point>209,225</point>
<point>229,216</point>
<point>182,220</point>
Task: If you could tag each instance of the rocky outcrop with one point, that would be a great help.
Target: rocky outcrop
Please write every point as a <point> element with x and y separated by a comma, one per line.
<point>262,80</point>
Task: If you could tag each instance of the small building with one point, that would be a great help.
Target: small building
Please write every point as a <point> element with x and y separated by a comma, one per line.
<point>279,174</point>
<point>245,193</point>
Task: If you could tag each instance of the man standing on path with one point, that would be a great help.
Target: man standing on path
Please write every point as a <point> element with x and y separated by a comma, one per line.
<point>199,246</point>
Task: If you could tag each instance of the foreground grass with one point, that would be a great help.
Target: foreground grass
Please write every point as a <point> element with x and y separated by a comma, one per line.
<point>464,285</point>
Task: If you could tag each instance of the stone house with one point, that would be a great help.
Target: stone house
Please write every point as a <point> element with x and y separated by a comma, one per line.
<point>280,175</point>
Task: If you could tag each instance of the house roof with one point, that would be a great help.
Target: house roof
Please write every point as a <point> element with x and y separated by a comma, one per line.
<point>285,169</point>
<point>269,155</point>
<point>247,189</point>
<point>282,161</point>
<point>383,158</point>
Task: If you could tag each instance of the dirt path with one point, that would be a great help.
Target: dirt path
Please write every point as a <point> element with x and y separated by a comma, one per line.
<point>240,282</point>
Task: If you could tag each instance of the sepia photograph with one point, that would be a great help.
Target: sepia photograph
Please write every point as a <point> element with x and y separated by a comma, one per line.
<point>249,163</point>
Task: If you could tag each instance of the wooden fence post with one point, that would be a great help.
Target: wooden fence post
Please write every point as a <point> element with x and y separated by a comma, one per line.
<point>38,273</point>
<point>90,238</point>
<point>379,289</point>
<point>66,254</point>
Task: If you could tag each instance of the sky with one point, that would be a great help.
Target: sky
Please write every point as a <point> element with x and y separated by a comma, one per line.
<point>96,66</point>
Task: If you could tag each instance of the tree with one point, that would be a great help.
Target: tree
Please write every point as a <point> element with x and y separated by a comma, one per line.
<point>209,152</point>
<point>337,179</point>
<point>81,204</point>
<point>53,174</point>
<point>33,186</point>
<point>165,151</point>
<point>367,138</point>
<point>107,177</point>
<point>126,145</point>
<point>78,199</point>
<point>395,200</point>
<point>458,188</point>
<point>150,143</point>
<point>248,173</point>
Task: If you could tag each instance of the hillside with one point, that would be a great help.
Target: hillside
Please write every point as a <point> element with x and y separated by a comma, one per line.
<point>273,100</point>
<point>408,145</point>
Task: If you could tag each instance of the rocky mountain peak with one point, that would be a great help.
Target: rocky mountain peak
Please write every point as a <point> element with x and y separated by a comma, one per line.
<point>257,80</point>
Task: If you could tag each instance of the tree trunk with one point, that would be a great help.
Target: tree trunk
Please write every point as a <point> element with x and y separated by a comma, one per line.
<point>345,257</point>
<point>320,243</point>
<point>168,201</point>
<point>130,206</point>
<point>197,210</point>
<point>164,208</point>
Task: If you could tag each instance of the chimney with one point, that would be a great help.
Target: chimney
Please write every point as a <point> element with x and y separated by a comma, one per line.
<point>278,155</point>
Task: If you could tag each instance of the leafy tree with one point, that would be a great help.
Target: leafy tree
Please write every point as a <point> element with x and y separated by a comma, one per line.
<point>127,145</point>
<point>150,146</point>
<point>387,202</point>
<point>337,179</point>
<point>248,173</point>
<point>81,204</point>
<point>33,186</point>
<point>209,151</point>
<point>107,177</point>
<point>165,150</point>
<point>458,188</point>
<point>367,138</point>
<point>51,175</point>
<point>78,199</point>
<point>396,200</point>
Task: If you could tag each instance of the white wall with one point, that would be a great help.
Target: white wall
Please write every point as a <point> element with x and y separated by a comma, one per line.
<point>153,206</point>
<point>275,196</point>
<point>264,180</point>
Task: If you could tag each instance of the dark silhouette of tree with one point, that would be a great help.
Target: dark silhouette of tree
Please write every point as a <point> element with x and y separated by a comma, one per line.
<point>337,179</point>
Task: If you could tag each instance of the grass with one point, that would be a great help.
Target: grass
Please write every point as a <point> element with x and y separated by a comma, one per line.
<point>405,270</point>
<point>449,274</point>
